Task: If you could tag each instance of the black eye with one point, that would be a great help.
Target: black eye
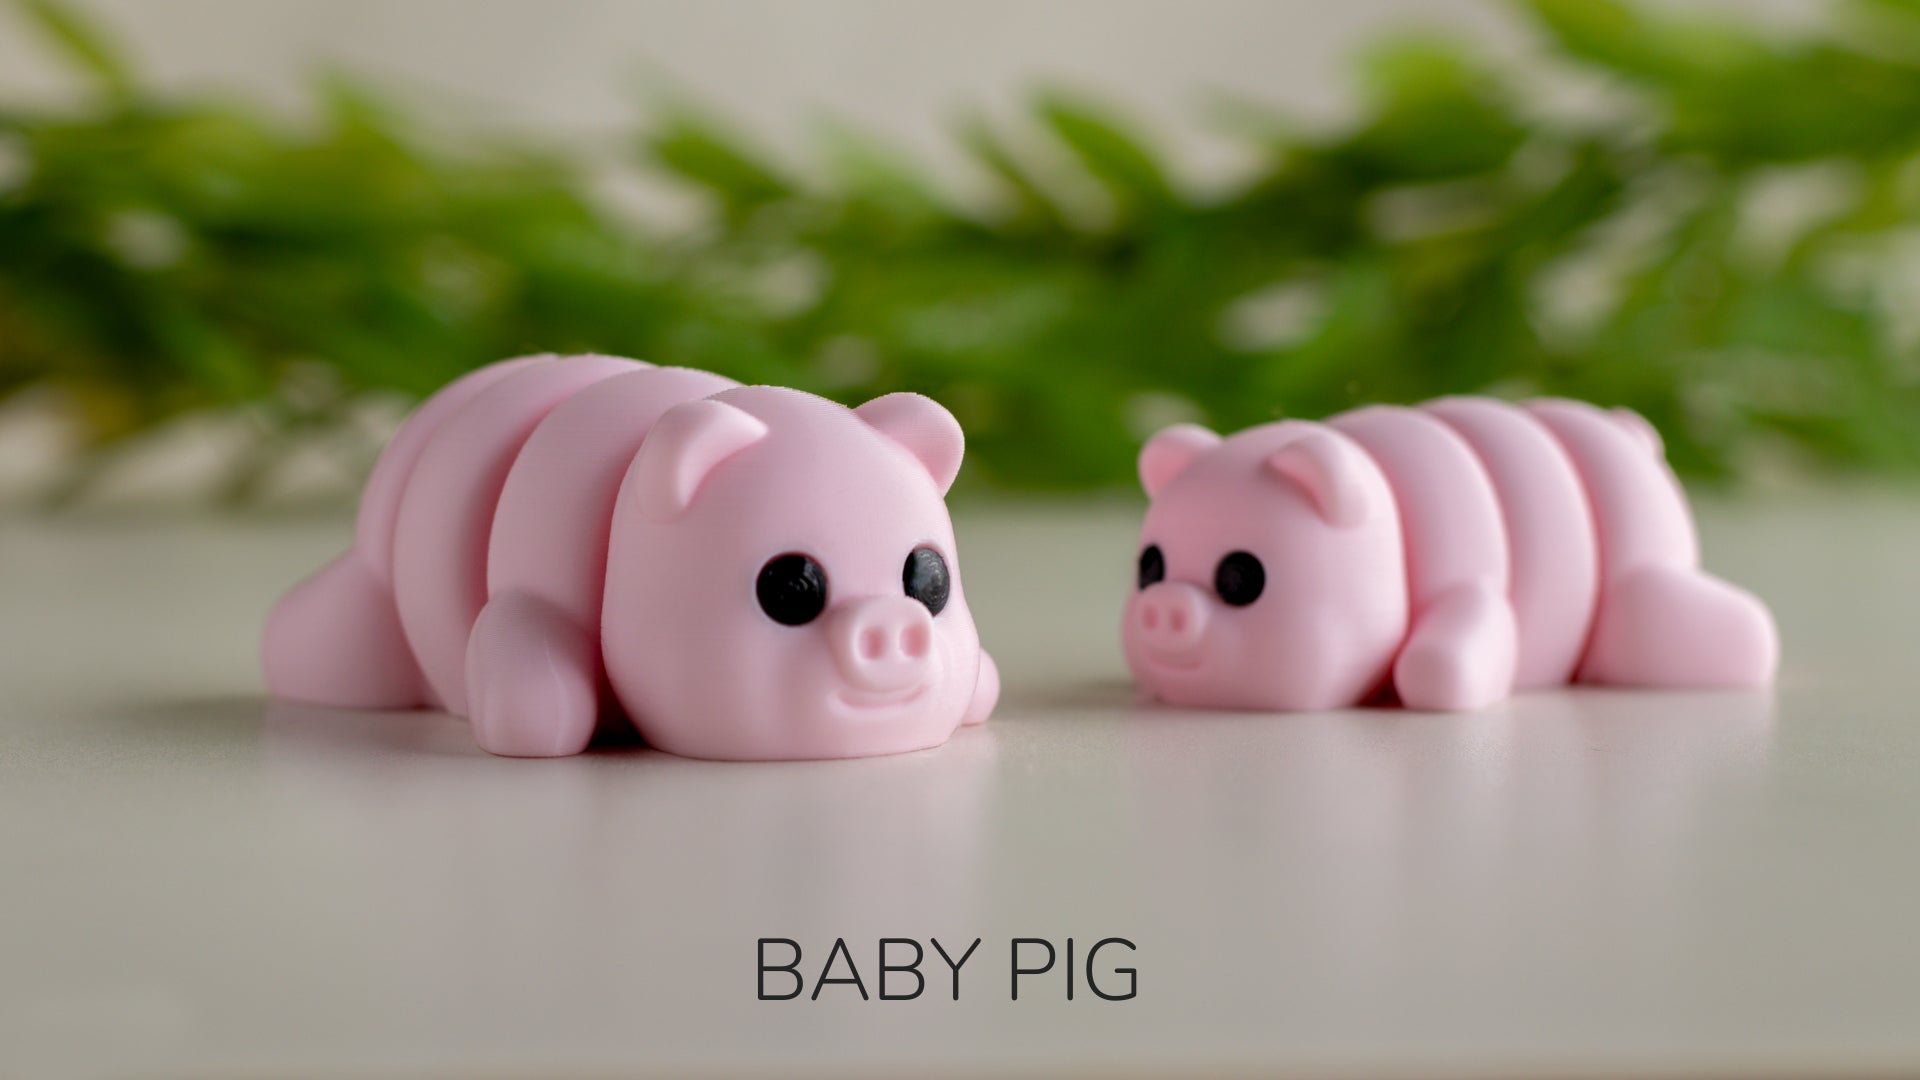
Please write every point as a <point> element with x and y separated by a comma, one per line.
<point>925,578</point>
<point>1153,566</point>
<point>1239,579</point>
<point>792,589</point>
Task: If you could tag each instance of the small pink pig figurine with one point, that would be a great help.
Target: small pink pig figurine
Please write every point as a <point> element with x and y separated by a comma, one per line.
<point>1453,551</point>
<point>744,572</point>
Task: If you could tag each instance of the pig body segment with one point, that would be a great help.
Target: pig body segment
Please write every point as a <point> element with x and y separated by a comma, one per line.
<point>1531,545</point>
<point>442,534</point>
<point>478,580</point>
<point>1553,555</point>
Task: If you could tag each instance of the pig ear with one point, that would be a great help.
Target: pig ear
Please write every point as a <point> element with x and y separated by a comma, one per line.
<point>1170,451</point>
<point>1332,474</point>
<point>1641,429</point>
<point>686,443</point>
<point>922,425</point>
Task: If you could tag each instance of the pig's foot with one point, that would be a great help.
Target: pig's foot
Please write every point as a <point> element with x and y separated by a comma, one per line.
<point>986,692</point>
<point>1461,652</point>
<point>532,680</point>
<point>1680,627</point>
<point>336,640</point>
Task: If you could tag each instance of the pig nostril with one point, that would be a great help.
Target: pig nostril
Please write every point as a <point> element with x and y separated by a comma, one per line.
<point>1177,621</point>
<point>913,641</point>
<point>1150,618</point>
<point>872,643</point>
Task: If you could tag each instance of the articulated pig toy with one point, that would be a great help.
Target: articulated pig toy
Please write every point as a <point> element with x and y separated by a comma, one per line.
<point>1454,552</point>
<point>745,572</point>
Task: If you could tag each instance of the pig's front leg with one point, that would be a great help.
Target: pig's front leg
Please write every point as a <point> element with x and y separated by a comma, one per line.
<point>986,692</point>
<point>533,679</point>
<point>1460,654</point>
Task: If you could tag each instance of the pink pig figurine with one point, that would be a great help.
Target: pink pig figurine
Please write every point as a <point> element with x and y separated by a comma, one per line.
<point>1455,551</point>
<point>745,572</point>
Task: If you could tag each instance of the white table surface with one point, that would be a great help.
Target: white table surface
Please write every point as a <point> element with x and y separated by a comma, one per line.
<point>194,882</point>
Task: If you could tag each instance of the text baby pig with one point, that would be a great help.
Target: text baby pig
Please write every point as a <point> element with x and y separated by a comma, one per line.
<point>744,572</point>
<point>1452,552</point>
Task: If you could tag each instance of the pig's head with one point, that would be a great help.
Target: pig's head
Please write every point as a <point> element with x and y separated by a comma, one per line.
<point>1271,573</point>
<point>782,581</point>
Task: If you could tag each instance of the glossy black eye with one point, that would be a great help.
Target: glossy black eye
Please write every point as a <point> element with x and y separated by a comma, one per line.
<point>792,589</point>
<point>1153,566</point>
<point>1239,579</point>
<point>925,578</point>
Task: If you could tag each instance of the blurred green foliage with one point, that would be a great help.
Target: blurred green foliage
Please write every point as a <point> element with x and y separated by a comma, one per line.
<point>1714,228</point>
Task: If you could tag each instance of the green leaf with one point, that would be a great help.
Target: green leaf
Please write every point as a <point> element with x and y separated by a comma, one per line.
<point>1113,155</point>
<point>84,45</point>
<point>701,150</point>
<point>1606,32</point>
<point>1436,114</point>
<point>1031,201</point>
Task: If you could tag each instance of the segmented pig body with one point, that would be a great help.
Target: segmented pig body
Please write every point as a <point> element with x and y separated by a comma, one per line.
<point>503,480</point>
<point>1550,498</point>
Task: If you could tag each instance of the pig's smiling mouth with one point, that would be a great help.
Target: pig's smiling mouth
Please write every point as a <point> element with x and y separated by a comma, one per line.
<point>863,700</point>
<point>1182,664</point>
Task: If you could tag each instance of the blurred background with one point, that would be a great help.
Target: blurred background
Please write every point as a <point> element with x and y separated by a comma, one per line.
<point>239,237</point>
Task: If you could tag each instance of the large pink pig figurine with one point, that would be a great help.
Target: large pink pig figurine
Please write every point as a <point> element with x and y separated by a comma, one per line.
<point>1452,552</point>
<point>744,572</point>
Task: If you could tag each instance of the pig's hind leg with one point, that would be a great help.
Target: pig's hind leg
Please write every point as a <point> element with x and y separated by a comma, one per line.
<point>336,640</point>
<point>1680,627</point>
<point>533,679</point>
<point>1661,620</point>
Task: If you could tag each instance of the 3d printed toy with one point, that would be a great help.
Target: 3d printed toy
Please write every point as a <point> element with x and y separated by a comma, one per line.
<point>1451,552</point>
<point>744,572</point>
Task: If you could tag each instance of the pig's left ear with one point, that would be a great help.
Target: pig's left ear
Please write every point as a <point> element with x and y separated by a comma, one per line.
<point>1170,451</point>
<point>1331,472</point>
<point>686,444</point>
<point>927,430</point>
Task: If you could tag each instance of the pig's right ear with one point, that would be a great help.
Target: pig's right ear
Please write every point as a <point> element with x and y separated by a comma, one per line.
<point>924,428</point>
<point>686,444</point>
<point>1331,472</point>
<point>1170,451</point>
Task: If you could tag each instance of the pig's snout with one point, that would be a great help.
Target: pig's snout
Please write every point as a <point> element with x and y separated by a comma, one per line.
<point>883,645</point>
<point>1171,618</point>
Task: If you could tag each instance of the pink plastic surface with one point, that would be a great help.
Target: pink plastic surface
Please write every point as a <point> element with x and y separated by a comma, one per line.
<point>1449,554</point>
<point>549,544</point>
